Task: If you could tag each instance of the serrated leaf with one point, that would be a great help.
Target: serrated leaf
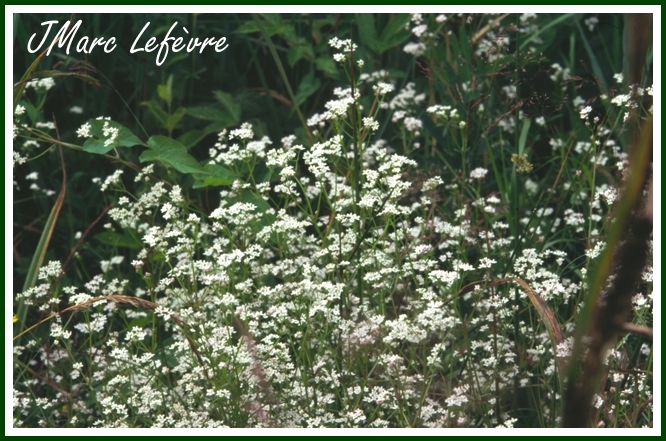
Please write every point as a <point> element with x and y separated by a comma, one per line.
<point>96,144</point>
<point>215,176</point>
<point>171,152</point>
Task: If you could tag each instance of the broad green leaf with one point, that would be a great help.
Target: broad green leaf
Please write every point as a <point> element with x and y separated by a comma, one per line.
<point>170,152</point>
<point>367,32</point>
<point>308,86</point>
<point>96,144</point>
<point>215,176</point>
<point>394,33</point>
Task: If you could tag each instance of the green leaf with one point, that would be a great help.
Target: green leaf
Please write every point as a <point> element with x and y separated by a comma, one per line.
<point>272,23</point>
<point>96,144</point>
<point>228,116</point>
<point>229,104</point>
<point>299,51</point>
<point>367,32</point>
<point>157,111</point>
<point>191,138</point>
<point>327,65</point>
<point>124,239</point>
<point>165,90</point>
<point>523,136</point>
<point>170,152</point>
<point>208,113</point>
<point>394,33</point>
<point>215,176</point>
<point>308,86</point>
<point>173,119</point>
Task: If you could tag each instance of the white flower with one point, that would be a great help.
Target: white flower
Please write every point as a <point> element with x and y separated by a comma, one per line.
<point>244,132</point>
<point>20,110</point>
<point>288,172</point>
<point>345,46</point>
<point>45,125</point>
<point>370,123</point>
<point>43,83</point>
<point>383,88</point>
<point>618,78</point>
<point>169,211</point>
<point>84,131</point>
<point>432,183</point>
<point>416,49</point>
<point>585,112</point>
<point>18,159</point>
<point>111,133</point>
<point>478,173</point>
<point>591,23</point>
<point>419,30</point>
<point>621,100</point>
<point>52,269</point>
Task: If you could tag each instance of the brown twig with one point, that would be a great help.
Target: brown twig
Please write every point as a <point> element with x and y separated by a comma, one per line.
<point>637,329</point>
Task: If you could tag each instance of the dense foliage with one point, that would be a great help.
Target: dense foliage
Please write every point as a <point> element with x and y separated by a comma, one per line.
<point>369,220</point>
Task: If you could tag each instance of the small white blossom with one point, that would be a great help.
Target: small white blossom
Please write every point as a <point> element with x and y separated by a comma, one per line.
<point>478,173</point>
<point>84,131</point>
<point>371,124</point>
